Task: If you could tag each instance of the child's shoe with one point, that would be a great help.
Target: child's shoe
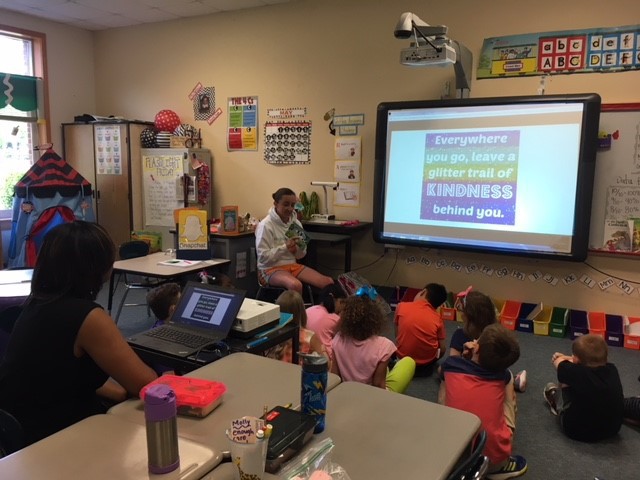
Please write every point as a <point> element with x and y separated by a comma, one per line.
<point>515,466</point>
<point>550,392</point>
<point>520,381</point>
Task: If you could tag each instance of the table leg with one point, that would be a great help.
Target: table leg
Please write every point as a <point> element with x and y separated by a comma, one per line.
<point>347,255</point>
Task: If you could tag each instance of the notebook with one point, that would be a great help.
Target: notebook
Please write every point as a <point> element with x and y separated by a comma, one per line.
<point>203,316</point>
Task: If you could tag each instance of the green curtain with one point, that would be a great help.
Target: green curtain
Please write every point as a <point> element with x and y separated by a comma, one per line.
<point>19,91</point>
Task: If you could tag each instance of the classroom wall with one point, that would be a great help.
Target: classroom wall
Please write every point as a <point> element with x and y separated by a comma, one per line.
<point>323,54</point>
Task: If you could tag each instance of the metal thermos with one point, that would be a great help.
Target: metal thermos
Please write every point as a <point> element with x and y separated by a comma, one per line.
<point>315,370</point>
<point>162,429</point>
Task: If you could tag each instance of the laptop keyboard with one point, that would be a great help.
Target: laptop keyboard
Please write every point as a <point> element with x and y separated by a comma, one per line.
<point>192,340</point>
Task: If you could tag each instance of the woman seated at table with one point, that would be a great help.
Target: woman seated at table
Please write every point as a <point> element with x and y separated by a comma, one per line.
<point>64,346</point>
<point>280,243</point>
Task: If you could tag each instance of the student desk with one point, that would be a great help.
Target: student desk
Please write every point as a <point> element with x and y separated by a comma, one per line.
<point>289,331</point>
<point>148,266</point>
<point>102,447</point>
<point>385,435</point>
<point>252,382</point>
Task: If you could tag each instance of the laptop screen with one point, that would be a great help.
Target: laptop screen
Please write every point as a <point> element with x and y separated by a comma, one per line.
<point>210,307</point>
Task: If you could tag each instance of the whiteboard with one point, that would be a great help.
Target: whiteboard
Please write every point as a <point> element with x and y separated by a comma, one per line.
<point>616,189</point>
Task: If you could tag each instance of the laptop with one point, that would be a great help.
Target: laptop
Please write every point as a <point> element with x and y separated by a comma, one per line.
<point>204,315</point>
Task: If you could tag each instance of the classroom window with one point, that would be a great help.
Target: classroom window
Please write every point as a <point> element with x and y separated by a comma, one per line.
<point>23,54</point>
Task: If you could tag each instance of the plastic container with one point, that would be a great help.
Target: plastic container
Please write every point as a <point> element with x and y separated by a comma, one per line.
<point>578,323</point>
<point>510,313</point>
<point>195,397</point>
<point>162,429</point>
<point>632,333</point>
<point>313,394</point>
<point>542,322</point>
<point>615,331</point>
<point>597,323</point>
<point>558,323</point>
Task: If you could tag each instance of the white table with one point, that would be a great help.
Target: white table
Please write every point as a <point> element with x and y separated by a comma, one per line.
<point>385,435</point>
<point>149,266</point>
<point>252,382</point>
<point>102,447</point>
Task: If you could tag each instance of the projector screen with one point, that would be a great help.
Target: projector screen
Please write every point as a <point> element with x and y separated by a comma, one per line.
<point>501,175</point>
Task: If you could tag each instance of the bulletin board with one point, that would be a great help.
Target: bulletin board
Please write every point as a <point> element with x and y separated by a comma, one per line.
<point>616,189</point>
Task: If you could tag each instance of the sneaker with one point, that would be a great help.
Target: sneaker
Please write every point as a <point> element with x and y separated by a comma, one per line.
<point>520,381</point>
<point>515,466</point>
<point>550,392</point>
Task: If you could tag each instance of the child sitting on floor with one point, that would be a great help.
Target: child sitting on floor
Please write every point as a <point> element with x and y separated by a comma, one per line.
<point>360,353</point>
<point>323,318</point>
<point>588,400</point>
<point>479,382</point>
<point>478,311</point>
<point>291,301</point>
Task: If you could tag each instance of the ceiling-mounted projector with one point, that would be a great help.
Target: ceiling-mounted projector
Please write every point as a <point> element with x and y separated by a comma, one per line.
<point>428,56</point>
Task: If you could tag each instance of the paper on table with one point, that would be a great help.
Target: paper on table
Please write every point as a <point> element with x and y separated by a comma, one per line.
<point>175,262</point>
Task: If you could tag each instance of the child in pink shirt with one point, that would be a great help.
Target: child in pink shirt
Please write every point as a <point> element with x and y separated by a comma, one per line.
<point>323,318</point>
<point>360,353</point>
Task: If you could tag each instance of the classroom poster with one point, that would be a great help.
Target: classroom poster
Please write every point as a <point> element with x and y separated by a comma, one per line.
<point>348,148</point>
<point>162,186</point>
<point>603,50</point>
<point>192,230</point>
<point>347,171</point>
<point>108,152</point>
<point>242,131</point>
<point>347,195</point>
<point>287,142</point>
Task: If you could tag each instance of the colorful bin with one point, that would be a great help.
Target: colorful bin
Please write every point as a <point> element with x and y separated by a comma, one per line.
<point>578,323</point>
<point>510,313</point>
<point>632,333</point>
<point>525,320</point>
<point>614,335</point>
<point>558,323</point>
<point>597,323</point>
<point>542,322</point>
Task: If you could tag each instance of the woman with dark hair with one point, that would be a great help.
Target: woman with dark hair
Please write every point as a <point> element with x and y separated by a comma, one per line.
<point>64,346</point>
<point>280,243</point>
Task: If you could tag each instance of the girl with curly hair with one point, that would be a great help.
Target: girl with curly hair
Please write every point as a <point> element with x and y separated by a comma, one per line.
<point>360,353</point>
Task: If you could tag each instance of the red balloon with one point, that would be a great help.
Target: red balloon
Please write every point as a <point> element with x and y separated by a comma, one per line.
<point>166,120</point>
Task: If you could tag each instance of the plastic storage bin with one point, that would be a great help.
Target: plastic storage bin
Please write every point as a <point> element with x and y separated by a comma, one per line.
<point>525,320</point>
<point>632,333</point>
<point>614,334</point>
<point>195,397</point>
<point>578,323</point>
<point>558,323</point>
<point>542,322</point>
<point>597,323</point>
<point>510,313</point>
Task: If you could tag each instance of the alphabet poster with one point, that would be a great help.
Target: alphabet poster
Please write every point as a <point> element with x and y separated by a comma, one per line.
<point>603,50</point>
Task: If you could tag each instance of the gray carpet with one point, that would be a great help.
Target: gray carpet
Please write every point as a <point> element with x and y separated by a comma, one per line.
<point>549,453</point>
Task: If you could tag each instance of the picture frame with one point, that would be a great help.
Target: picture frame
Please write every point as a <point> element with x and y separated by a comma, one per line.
<point>229,220</point>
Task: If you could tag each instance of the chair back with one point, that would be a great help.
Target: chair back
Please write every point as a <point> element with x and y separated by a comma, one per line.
<point>133,249</point>
<point>476,464</point>
<point>11,434</point>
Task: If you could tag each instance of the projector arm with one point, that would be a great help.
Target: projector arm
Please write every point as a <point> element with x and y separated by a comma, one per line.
<point>410,25</point>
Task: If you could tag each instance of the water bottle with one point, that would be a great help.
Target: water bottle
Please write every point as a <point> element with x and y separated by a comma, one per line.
<point>162,429</point>
<point>313,396</point>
